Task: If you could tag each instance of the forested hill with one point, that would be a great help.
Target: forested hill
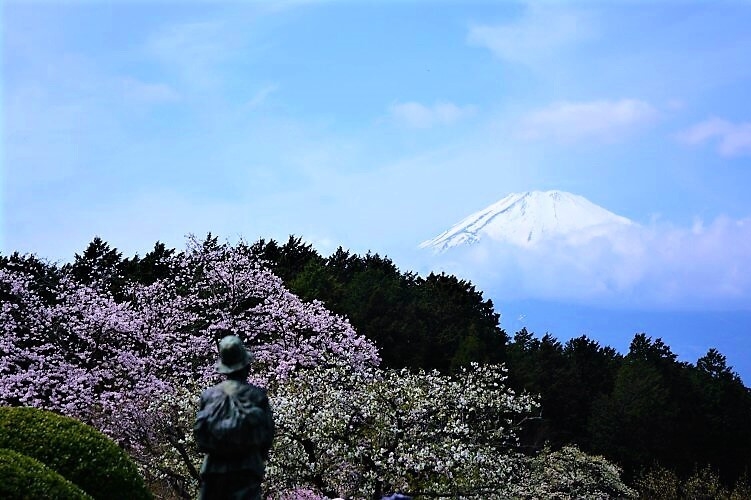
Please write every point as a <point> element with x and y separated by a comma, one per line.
<point>642,409</point>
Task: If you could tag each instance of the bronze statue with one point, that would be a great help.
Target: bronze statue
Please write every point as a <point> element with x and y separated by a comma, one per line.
<point>235,427</point>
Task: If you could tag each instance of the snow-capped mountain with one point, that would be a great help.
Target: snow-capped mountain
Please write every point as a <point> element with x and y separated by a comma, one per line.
<point>526,219</point>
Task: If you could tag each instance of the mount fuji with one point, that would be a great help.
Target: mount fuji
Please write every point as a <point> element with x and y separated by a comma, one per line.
<point>555,262</point>
<point>527,219</point>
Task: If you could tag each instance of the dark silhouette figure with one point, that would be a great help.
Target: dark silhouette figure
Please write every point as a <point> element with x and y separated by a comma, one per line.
<point>234,427</point>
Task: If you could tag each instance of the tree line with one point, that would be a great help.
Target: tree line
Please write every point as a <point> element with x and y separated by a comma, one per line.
<point>642,410</point>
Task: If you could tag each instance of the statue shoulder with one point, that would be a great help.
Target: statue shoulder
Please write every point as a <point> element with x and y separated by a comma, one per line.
<point>255,393</point>
<point>213,392</point>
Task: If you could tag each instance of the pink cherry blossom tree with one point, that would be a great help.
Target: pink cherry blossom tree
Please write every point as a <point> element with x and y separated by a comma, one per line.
<point>121,366</point>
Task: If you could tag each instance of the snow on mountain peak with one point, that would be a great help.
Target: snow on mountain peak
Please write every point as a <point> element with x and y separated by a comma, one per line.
<point>525,219</point>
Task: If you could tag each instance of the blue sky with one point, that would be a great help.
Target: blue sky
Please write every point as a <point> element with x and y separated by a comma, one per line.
<point>372,125</point>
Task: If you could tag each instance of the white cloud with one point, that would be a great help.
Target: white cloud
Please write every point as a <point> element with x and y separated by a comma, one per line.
<point>194,50</point>
<point>733,139</point>
<point>675,105</point>
<point>658,266</point>
<point>571,121</point>
<point>416,115</point>
<point>261,95</point>
<point>535,36</point>
<point>149,92</point>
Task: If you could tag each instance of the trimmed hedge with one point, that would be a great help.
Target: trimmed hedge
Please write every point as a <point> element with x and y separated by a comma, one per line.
<point>23,477</point>
<point>76,451</point>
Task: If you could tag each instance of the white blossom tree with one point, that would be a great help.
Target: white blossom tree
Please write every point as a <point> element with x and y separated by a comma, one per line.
<point>365,434</point>
<point>570,474</point>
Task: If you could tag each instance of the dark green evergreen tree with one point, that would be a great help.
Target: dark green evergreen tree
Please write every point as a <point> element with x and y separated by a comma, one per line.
<point>155,265</point>
<point>45,275</point>
<point>723,433</point>
<point>98,262</point>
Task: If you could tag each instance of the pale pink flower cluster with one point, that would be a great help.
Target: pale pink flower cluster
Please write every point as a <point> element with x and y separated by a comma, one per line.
<point>115,364</point>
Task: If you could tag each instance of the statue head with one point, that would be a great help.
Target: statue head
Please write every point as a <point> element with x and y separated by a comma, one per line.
<point>233,356</point>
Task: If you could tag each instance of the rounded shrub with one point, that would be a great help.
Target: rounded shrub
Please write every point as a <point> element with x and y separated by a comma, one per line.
<point>76,451</point>
<point>25,477</point>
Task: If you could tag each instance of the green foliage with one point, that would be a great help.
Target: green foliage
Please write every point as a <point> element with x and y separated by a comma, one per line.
<point>460,326</point>
<point>704,484</point>
<point>659,483</point>
<point>24,477</point>
<point>99,265</point>
<point>438,322</point>
<point>288,260</point>
<point>742,488</point>
<point>723,405</point>
<point>155,265</point>
<point>637,408</point>
<point>568,378</point>
<point>635,423</point>
<point>674,413</point>
<point>76,451</point>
